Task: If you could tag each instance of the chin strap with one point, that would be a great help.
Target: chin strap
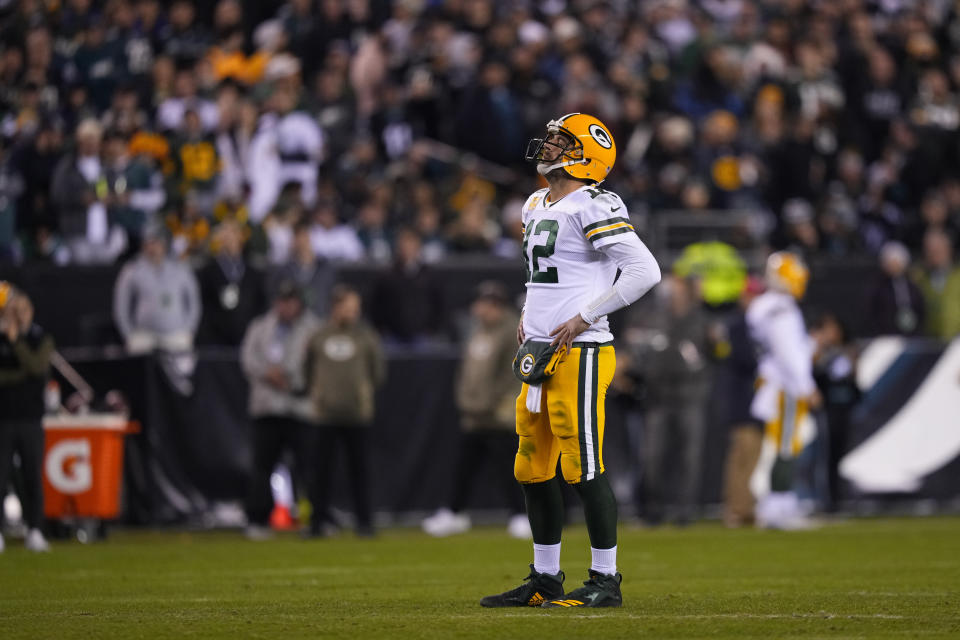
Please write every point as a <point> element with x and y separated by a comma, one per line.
<point>545,169</point>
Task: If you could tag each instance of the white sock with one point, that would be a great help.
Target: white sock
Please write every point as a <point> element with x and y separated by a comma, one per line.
<point>604,560</point>
<point>546,558</point>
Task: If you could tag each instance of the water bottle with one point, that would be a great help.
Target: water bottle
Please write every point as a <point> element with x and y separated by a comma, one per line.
<point>51,397</point>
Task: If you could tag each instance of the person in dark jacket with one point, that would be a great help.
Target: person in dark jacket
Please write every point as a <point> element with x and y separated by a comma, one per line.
<point>25,350</point>
<point>735,376</point>
<point>313,274</point>
<point>834,370</point>
<point>81,195</point>
<point>231,290</point>
<point>895,305</point>
<point>677,386</point>
<point>406,305</point>
<point>345,365</point>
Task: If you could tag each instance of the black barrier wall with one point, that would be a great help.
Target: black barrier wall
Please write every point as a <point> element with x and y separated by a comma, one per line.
<point>194,449</point>
<point>75,303</point>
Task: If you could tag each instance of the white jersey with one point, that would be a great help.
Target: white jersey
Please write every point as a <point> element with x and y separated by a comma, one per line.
<point>565,269</point>
<point>785,359</point>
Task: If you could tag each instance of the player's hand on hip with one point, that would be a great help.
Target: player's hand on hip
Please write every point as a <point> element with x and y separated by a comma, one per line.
<point>564,335</point>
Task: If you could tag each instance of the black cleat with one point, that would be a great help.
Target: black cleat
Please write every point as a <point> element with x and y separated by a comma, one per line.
<point>601,590</point>
<point>538,588</point>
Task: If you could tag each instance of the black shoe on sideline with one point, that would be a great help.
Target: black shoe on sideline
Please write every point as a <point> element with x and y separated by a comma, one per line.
<point>537,589</point>
<point>601,590</point>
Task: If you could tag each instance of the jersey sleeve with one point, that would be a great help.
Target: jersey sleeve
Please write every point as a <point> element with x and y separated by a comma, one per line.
<point>605,219</point>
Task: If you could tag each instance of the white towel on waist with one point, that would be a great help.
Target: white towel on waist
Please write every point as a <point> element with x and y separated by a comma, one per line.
<point>534,395</point>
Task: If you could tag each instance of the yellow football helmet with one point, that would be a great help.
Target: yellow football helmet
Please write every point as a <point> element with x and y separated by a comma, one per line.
<point>589,154</point>
<point>786,272</point>
<point>6,293</point>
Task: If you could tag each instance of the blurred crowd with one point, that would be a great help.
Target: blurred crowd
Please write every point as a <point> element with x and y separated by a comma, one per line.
<point>352,119</point>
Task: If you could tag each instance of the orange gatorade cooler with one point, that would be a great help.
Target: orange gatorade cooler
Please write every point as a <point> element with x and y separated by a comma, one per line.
<point>83,464</point>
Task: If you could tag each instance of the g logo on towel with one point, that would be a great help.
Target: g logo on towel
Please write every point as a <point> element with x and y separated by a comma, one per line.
<point>526,364</point>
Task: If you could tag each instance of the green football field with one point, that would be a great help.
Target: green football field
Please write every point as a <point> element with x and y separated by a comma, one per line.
<point>853,579</point>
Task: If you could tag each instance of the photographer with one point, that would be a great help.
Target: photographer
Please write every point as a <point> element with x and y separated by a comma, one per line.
<point>25,351</point>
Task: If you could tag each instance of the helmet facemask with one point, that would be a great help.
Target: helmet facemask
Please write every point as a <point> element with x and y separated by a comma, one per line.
<point>571,149</point>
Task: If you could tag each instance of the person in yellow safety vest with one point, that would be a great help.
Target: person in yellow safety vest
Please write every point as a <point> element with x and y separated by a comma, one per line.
<point>721,270</point>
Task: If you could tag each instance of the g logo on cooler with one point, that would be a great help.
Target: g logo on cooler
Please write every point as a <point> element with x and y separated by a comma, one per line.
<point>601,136</point>
<point>68,466</point>
<point>526,364</point>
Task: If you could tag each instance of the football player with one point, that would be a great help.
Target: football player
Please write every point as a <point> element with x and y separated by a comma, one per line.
<point>576,236</point>
<point>785,388</point>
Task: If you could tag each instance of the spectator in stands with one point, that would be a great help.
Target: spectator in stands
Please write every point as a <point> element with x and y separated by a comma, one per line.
<point>473,231</point>
<point>887,91</point>
<point>231,290</point>
<point>331,239</point>
<point>934,215</point>
<point>894,304</point>
<point>299,143</point>
<point>36,214</point>
<point>156,300</point>
<point>185,38</point>
<point>288,144</point>
<point>491,104</point>
<point>486,400</point>
<point>172,111</point>
<point>345,365</point>
<point>313,274</point>
<point>372,231</point>
<point>675,371</point>
<point>197,163</point>
<point>11,186</point>
<point>272,356</point>
<point>235,130</point>
<point>25,350</point>
<point>125,115</point>
<point>278,226</point>
<point>81,196</point>
<point>98,61</point>
<point>135,188</point>
<point>939,280</point>
<point>407,304</point>
<point>799,230</point>
<point>189,228</point>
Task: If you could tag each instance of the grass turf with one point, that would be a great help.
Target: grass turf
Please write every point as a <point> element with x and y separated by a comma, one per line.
<point>856,579</point>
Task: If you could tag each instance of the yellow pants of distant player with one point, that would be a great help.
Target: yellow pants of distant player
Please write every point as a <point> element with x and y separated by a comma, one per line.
<point>570,423</point>
<point>784,429</point>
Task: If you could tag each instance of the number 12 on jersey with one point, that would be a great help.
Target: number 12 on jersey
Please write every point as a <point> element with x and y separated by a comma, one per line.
<point>533,253</point>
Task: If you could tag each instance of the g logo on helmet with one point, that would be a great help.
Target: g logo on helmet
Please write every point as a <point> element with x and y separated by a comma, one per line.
<point>601,136</point>
<point>526,364</point>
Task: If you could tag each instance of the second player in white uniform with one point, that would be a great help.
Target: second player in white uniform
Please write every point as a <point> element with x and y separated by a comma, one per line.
<point>785,388</point>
